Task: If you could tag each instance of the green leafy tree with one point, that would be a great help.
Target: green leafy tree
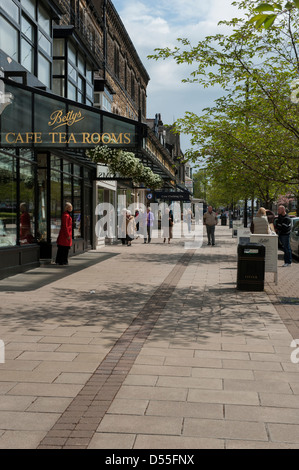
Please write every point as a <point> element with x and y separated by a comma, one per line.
<point>256,123</point>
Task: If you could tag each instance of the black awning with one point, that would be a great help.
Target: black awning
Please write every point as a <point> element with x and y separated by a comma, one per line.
<point>37,119</point>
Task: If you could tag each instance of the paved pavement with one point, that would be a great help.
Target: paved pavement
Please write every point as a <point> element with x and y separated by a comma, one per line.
<point>149,347</point>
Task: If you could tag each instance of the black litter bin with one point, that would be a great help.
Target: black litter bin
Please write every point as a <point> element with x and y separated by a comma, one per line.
<point>251,267</point>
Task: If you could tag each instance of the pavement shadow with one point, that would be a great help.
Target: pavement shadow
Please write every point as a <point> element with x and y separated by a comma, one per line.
<point>198,258</point>
<point>48,273</point>
<point>199,314</point>
<point>112,308</point>
<point>190,314</point>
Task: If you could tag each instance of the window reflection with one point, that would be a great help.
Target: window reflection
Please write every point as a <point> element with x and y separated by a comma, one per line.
<point>27,203</point>
<point>42,198</point>
<point>27,55</point>
<point>11,8</point>
<point>30,6</point>
<point>44,20</point>
<point>67,188</point>
<point>55,204</point>
<point>8,201</point>
<point>9,39</point>
<point>77,208</point>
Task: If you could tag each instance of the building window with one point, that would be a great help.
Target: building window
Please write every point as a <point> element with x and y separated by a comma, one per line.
<point>27,56</point>
<point>71,92</point>
<point>30,6</point>
<point>77,223</point>
<point>27,202</point>
<point>44,20</point>
<point>116,61</point>
<point>103,100</point>
<point>44,43</point>
<point>11,9</point>
<point>132,87</point>
<point>8,200</point>
<point>72,74</point>
<point>17,198</point>
<point>27,45</point>
<point>55,202</point>
<point>42,233</point>
<point>44,69</point>
<point>29,26</point>
<point>126,78</point>
<point>9,39</point>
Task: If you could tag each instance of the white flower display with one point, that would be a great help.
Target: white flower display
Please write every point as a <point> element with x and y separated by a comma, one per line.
<point>125,163</point>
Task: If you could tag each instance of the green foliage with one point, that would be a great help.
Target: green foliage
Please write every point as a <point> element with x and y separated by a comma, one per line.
<point>249,140</point>
<point>266,20</point>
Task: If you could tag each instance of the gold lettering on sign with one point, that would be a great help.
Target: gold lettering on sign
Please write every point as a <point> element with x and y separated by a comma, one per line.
<point>66,138</point>
<point>26,138</point>
<point>59,119</point>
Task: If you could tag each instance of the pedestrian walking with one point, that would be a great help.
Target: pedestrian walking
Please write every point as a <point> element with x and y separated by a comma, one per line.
<point>130,228</point>
<point>210,220</point>
<point>149,224</point>
<point>260,222</point>
<point>167,225</point>
<point>283,227</point>
<point>64,240</point>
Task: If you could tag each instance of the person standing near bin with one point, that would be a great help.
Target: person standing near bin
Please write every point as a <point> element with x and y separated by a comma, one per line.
<point>64,240</point>
<point>167,225</point>
<point>260,223</point>
<point>283,227</point>
<point>210,220</point>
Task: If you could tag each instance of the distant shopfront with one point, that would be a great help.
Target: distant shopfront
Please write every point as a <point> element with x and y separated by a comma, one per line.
<point>43,166</point>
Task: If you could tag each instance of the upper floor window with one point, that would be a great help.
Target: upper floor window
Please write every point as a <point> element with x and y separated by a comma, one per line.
<point>132,87</point>
<point>26,36</point>
<point>126,77</point>
<point>72,73</point>
<point>116,61</point>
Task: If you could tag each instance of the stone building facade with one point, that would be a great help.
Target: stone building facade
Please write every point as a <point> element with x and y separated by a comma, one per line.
<point>69,73</point>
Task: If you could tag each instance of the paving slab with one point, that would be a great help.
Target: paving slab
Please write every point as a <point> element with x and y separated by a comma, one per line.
<point>165,353</point>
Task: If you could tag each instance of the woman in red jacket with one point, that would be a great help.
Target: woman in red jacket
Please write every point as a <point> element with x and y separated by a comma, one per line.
<point>64,240</point>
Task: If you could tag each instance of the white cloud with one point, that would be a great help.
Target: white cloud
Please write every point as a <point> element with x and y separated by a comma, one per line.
<point>158,24</point>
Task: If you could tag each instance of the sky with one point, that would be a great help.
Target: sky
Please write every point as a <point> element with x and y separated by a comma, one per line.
<point>158,24</point>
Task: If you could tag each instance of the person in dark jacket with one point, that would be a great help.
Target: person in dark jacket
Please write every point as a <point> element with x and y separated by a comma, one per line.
<point>167,225</point>
<point>283,227</point>
<point>64,240</point>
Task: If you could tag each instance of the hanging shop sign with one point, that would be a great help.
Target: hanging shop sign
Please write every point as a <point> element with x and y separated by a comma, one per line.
<point>35,119</point>
<point>173,195</point>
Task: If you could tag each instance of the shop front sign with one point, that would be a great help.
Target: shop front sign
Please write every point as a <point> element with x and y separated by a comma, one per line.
<point>35,119</point>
